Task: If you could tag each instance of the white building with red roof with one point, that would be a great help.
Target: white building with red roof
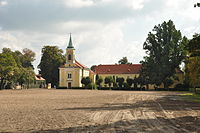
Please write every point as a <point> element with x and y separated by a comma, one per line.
<point>71,73</point>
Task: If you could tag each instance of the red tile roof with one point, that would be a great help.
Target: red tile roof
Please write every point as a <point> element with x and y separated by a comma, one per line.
<point>118,69</point>
<point>78,64</point>
<point>39,77</point>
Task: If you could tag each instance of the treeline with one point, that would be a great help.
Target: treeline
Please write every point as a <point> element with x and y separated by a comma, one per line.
<point>112,82</point>
<point>16,68</point>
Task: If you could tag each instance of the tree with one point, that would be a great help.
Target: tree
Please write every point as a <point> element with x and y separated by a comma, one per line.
<point>165,51</point>
<point>120,82</point>
<point>108,80</point>
<point>99,80</point>
<point>136,81</point>
<point>28,58</point>
<point>193,61</point>
<point>86,81</point>
<point>21,67</point>
<point>52,58</point>
<point>129,81</point>
<point>8,66</point>
<point>23,59</point>
<point>194,71</point>
<point>93,67</point>
<point>25,76</point>
<point>124,60</point>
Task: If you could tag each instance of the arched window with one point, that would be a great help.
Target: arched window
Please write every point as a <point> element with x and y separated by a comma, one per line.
<point>69,75</point>
<point>69,57</point>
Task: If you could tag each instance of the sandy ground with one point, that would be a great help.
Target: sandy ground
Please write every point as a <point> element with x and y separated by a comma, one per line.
<point>49,111</point>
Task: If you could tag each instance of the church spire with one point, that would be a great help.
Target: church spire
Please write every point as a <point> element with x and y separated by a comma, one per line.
<point>70,42</point>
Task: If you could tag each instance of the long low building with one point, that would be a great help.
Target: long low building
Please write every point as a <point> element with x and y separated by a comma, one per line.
<point>129,71</point>
<point>118,70</point>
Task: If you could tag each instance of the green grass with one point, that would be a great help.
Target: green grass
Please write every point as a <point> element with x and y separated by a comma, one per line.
<point>191,96</point>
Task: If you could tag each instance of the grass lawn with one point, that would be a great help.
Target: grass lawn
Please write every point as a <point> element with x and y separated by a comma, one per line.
<point>191,96</point>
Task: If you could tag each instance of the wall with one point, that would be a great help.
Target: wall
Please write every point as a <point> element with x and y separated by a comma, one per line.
<point>75,80</point>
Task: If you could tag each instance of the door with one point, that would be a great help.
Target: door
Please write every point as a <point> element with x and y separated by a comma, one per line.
<point>69,84</point>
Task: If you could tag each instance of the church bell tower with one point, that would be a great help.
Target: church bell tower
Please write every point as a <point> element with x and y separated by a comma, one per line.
<point>70,53</point>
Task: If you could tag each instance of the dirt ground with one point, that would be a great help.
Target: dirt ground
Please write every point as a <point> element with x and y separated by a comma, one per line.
<point>49,111</point>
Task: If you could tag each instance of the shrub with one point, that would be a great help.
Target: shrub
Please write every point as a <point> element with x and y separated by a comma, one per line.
<point>91,86</point>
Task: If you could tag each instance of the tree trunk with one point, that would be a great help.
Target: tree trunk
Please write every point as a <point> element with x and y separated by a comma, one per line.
<point>147,86</point>
<point>166,86</point>
<point>2,84</point>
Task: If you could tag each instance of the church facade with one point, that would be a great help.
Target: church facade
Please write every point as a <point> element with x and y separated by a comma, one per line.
<point>71,73</point>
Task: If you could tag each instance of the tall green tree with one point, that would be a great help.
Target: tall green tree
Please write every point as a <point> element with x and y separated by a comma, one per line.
<point>52,58</point>
<point>27,58</point>
<point>8,67</point>
<point>164,47</point>
<point>23,59</point>
<point>22,68</point>
<point>193,61</point>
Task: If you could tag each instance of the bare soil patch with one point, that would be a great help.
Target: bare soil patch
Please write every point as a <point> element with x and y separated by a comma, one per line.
<point>40,110</point>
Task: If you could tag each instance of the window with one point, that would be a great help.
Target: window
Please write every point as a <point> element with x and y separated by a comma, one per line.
<point>69,57</point>
<point>69,76</point>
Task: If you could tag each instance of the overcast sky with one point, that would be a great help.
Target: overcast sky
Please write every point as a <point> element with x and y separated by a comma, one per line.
<point>103,31</point>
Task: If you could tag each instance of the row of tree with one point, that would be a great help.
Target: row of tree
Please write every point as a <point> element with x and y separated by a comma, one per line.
<point>16,67</point>
<point>112,81</point>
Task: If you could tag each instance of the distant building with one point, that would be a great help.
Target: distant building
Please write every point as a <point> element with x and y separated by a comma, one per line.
<point>71,73</point>
<point>118,70</point>
<point>39,82</point>
<point>130,71</point>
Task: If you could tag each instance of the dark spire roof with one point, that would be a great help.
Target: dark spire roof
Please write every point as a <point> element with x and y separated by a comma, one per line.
<point>70,42</point>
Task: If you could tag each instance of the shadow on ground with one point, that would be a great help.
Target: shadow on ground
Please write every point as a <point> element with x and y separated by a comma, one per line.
<point>183,124</point>
<point>172,103</point>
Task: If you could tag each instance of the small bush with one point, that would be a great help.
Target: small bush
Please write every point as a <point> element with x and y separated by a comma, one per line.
<point>91,86</point>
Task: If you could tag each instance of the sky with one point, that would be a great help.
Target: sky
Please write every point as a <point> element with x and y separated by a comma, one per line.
<point>103,31</point>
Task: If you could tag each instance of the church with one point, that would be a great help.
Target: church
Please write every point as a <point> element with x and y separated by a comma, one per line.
<point>71,73</point>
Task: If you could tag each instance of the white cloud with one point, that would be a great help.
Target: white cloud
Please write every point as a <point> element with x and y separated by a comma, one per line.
<point>78,3</point>
<point>79,26</point>
<point>103,31</point>
<point>107,0</point>
<point>137,4</point>
<point>3,3</point>
<point>9,40</point>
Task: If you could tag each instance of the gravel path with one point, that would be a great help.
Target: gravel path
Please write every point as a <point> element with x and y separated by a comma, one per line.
<point>48,111</point>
